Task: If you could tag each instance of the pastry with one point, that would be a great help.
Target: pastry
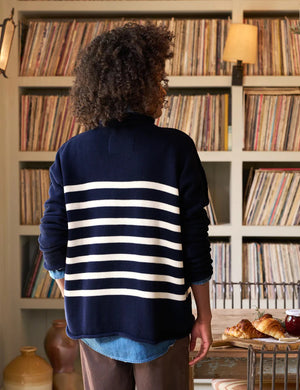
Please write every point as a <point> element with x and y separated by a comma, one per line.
<point>270,326</point>
<point>244,330</point>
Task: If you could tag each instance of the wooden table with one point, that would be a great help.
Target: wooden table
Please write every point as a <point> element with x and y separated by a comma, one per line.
<point>221,362</point>
<point>226,362</point>
<point>231,363</point>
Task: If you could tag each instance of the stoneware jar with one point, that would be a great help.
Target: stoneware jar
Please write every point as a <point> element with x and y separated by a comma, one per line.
<point>60,349</point>
<point>62,353</point>
<point>28,371</point>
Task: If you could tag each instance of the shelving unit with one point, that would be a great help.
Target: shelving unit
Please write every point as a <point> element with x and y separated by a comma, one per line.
<point>25,320</point>
<point>3,228</point>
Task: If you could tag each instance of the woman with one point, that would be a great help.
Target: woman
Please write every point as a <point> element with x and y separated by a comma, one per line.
<point>124,230</point>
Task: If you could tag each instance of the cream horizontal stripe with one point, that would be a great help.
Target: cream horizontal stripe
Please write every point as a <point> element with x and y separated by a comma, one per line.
<point>124,221</point>
<point>125,275</point>
<point>95,185</point>
<point>122,203</point>
<point>124,239</point>
<point>125,257</point>
<point>128,292</point>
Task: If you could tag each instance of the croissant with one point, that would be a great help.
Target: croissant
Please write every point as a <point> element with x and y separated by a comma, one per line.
<point>244,330</point>
<point>270,326</point>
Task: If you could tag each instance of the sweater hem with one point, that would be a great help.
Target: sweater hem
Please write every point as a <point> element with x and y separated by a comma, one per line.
<point>123,334</point>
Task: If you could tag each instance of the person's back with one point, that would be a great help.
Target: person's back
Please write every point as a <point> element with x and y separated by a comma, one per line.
<point>125,227</point>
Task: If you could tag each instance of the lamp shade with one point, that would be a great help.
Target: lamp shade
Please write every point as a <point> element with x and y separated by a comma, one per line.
<point>7,30</point>
<point>241,44</point>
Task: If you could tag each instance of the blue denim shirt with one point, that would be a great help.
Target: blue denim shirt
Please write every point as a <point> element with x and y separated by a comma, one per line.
<point>123,348</point>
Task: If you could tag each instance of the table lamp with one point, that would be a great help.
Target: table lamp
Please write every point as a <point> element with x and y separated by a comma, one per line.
<point>7,29</point>
<point>240,47</point>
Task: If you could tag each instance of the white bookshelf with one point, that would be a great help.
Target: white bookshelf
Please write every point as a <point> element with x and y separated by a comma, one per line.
<point>25,321</point>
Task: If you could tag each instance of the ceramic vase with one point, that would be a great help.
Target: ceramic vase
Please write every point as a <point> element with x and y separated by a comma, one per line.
<point>28,371</point>
<point>62,353</point>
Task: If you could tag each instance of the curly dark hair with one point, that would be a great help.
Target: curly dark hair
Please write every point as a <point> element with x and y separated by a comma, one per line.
<point>122,69</point>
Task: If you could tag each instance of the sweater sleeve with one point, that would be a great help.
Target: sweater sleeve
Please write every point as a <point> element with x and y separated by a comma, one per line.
<point>193,199</point>
<point>54,228</point>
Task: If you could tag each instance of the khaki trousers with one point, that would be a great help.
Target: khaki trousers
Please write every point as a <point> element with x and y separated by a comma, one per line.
<point>168,372</point>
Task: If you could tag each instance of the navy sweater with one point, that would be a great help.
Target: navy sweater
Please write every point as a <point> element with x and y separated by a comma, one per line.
<point>125,219</point>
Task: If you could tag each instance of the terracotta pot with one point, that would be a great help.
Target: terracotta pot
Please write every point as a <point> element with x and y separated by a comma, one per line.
<point>60,349</point>
<point>28,371</point>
